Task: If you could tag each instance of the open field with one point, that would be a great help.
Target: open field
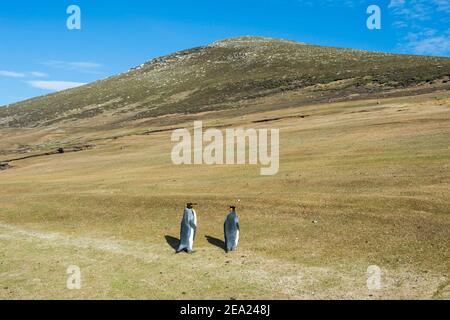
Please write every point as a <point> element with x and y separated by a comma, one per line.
<point>361,183</point>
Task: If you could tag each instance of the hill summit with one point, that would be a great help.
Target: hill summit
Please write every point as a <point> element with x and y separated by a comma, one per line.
<point>233,73</point>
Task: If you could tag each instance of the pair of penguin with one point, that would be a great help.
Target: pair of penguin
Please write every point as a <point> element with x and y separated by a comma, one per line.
<point>189,229</point>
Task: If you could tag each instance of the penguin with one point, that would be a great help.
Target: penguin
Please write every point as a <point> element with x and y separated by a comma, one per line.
<point>188,229</point>
<point>231,230</point>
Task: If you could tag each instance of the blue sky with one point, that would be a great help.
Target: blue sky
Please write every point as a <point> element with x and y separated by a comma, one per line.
<point>39,54</point>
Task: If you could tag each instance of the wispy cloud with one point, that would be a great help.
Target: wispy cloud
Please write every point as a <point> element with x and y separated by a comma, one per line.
<point>12,74</point>
<point>443,5</point>
<point>55,85</point>
<point>38,74</point>
<point>420,26</point>
<point>48,85</point>
<point>413,11</point>
<point>346,3</point>
<point>396,3</point>
<point>427,42</point>
<point>78,66</point>
<point>16,74</point>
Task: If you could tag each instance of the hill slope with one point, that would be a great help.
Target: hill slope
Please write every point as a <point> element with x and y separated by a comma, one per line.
<point>360,184</point>
<point>228,74</point>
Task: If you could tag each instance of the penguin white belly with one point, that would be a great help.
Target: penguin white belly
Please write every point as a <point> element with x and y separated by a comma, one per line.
<point>237,238</point>
<point>191,237</point>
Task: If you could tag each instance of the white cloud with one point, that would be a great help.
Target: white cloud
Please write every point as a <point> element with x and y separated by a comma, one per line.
<point>443,5</point>
<point>418,10</point>
<point>396,3</point>
<point>38,74</point>
<point>11,74</point>
<point>427,42</point>
<point>399,24</point>
<point>334,3</point>
<point>55,85</point>
<point>422,26</point>
<point>15,74</point>
<point>79,66</point>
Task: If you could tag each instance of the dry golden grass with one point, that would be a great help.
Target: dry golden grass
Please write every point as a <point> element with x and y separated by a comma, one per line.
<point>375,176</point>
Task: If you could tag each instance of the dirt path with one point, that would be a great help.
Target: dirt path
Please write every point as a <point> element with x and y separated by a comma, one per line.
<point>269,278</point>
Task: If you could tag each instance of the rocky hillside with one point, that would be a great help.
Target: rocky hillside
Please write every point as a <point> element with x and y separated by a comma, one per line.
<point>230,74</point>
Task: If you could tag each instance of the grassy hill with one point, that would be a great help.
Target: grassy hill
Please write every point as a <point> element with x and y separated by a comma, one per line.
<point>231,74</point>
<point>360,183</point>
<point>363,181</point>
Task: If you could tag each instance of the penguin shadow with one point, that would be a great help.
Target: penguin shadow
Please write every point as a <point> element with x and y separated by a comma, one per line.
<point>173,242</point>
<point>216,242</point>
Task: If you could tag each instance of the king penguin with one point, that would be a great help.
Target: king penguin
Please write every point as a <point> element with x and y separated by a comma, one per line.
<point>231,230</point>
<point>188,229</point>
